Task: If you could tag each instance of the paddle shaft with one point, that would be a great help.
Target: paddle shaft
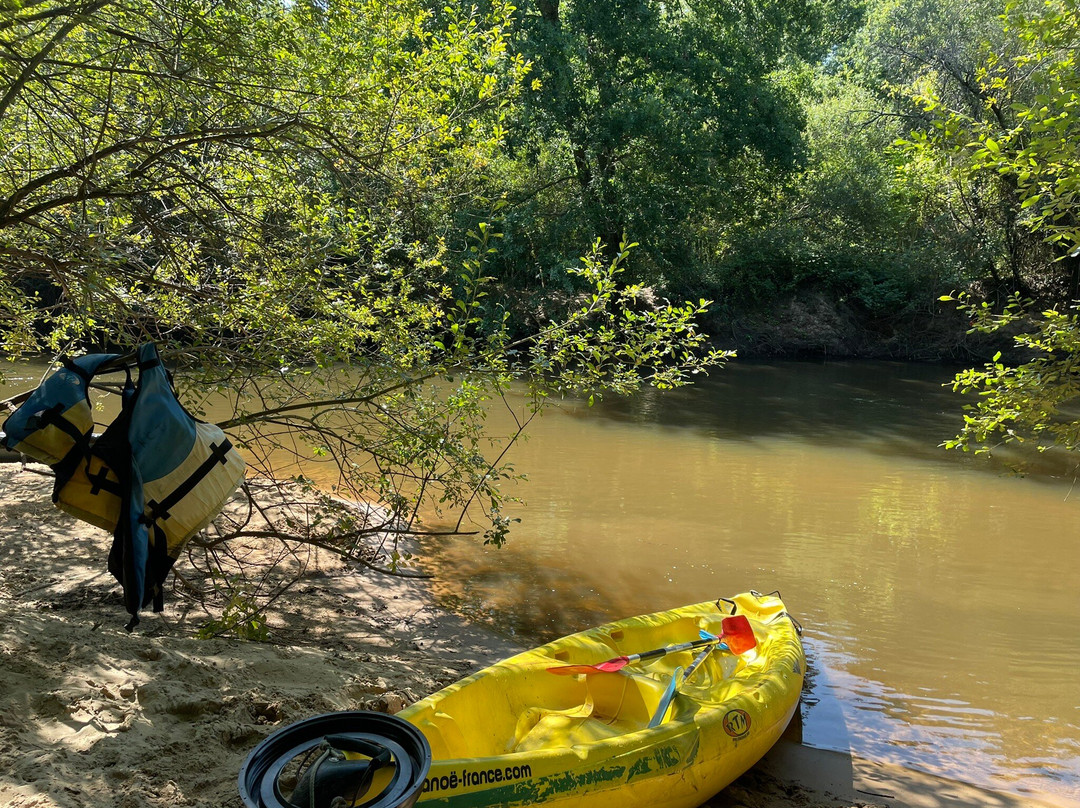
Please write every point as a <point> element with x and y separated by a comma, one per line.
<point>699,659</point>
<point>618,663</point>
<point>671,649</point>
<point>665,700</point>
<point>736,634</point>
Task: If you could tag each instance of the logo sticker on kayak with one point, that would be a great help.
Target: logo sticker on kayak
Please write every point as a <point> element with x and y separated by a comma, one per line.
<point>475,777</point>
<point>737,723</point>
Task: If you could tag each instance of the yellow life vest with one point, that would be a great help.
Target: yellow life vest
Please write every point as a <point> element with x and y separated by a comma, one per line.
<point>155,477</point>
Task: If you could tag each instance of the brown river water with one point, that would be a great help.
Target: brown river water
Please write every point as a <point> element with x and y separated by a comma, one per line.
<point>939,592</point>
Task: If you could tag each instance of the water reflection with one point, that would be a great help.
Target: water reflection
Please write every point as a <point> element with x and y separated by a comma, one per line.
<point>882,407</point>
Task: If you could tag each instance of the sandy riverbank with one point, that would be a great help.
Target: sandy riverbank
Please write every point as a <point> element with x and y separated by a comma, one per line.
<point>93,716</point>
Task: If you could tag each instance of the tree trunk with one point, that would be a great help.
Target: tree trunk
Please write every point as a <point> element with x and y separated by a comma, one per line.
<point>549,10</point>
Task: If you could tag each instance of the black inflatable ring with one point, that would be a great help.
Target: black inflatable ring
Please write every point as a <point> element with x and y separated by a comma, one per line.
<point>258,780</point>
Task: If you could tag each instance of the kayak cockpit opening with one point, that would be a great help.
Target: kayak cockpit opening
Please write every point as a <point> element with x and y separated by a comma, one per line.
<point>538,711</point>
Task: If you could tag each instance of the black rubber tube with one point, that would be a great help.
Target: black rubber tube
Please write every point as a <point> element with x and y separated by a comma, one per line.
<point>258,777</point>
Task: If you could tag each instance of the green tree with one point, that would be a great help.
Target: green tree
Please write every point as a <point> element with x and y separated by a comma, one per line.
<point>984,95</point>
<point>851,225</point>
<point>862,226</point>
<point>1034,397</point>
<point>1040,151</point>
<point>266,189</point>
<point>642,116</point>
<point>199,145</point>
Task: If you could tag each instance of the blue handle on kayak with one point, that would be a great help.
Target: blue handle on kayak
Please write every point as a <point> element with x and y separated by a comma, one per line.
<point>665,700</point>
<point>669,693</point>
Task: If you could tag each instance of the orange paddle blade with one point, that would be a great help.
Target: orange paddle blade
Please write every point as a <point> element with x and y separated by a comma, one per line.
<point>610,666</point>
<point>737,634</point>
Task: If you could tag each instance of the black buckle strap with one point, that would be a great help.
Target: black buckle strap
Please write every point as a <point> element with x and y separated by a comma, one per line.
<point>53,417</point>
<point>78,371</point>
<point>99,481</point>
<point>219,455</point>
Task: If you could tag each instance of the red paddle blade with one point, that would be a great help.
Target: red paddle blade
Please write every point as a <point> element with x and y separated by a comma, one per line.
<point>738,635</point>
<point>610,666</point>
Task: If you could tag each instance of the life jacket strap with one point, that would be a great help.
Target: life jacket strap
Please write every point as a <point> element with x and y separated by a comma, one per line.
<point>53,417</point>
<point>82,373</point>
<point>65,468</point>
<point>219,455</point>
<point>158,565</point>
<point>100,481</point>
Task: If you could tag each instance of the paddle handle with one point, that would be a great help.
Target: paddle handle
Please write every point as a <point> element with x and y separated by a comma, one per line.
<point>671,649</point>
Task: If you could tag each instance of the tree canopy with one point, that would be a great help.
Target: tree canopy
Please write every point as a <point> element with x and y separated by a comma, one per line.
<point>182,167</point>
<point>642,118</point>
<point>1028,141</point>
<point>272,192</point>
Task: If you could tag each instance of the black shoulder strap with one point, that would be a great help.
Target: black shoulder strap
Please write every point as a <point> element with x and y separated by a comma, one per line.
<point>54,417</point>
<point>65,468</point>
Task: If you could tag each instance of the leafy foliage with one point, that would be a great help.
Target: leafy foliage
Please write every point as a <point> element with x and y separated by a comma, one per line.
<point>852,223</point>
<point>268,190</point>
<point>1000,143</point>
<point>643,115</point>
<point>1041,85</point>
<point>1022,136</point>
<point>186,163</point>
<point>865,225</point>
<point>1030,400</point>
<point>241,616</point>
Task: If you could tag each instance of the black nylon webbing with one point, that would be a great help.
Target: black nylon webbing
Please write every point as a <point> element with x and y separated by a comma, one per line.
<point>78,371</point>
<point>52,416</point>
<point>100,482</point>
<point>219,455</point>
<point>158,564</point>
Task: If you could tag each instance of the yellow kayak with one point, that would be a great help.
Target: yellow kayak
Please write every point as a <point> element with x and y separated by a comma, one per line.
<point>518,734</point>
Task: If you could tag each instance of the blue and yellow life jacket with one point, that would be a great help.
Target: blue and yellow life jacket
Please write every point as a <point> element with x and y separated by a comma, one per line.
<point>154,477</point>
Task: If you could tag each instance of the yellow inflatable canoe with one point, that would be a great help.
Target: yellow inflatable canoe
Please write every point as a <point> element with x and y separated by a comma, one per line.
<point>516,734</point>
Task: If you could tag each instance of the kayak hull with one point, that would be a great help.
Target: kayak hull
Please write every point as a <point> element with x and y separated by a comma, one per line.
<point>515,734</point>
